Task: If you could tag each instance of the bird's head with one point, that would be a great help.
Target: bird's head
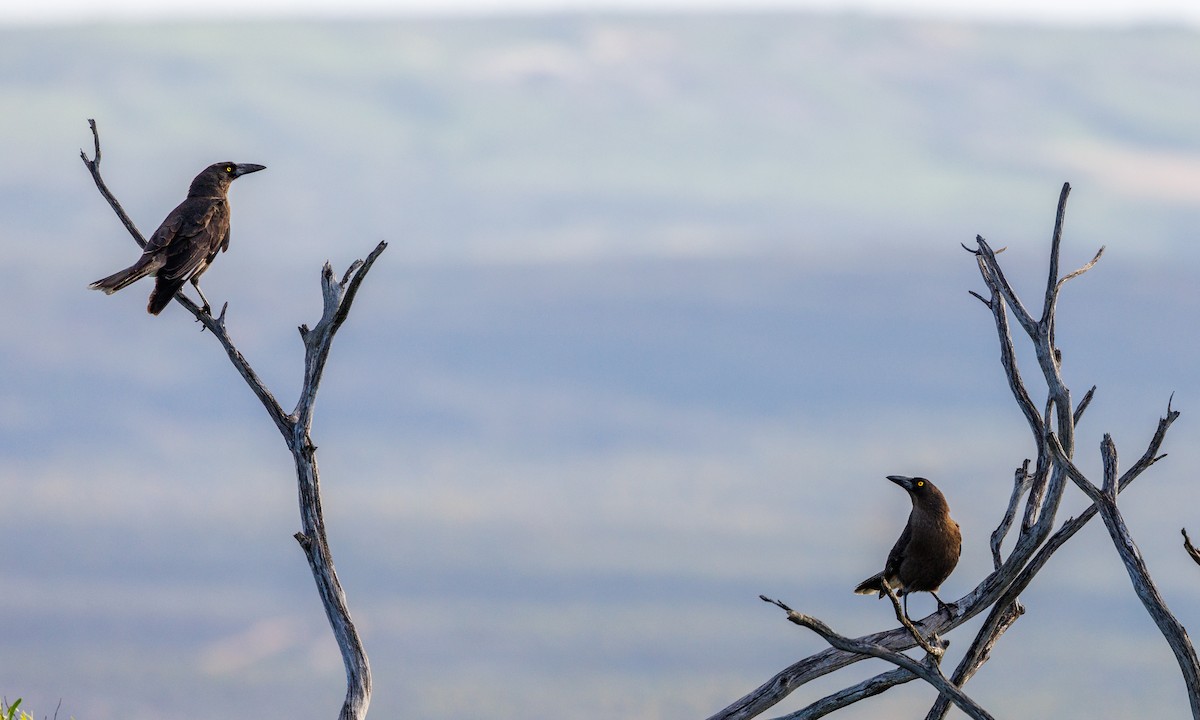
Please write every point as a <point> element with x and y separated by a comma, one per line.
<point>919,489</point>
<point>233,170</point>
<point>218,176</point>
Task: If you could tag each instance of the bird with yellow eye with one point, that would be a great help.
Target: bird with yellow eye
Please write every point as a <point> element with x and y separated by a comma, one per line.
<point>927,550</point>
<point>187,241</point>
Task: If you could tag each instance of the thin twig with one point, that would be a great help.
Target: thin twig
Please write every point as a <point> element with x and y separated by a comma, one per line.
<point>93,167</point>
<point>1191,549</point>
<point>923,643</point>
<point>1021,480</point>
<point>1083,404</point>
<point>1081,270</point>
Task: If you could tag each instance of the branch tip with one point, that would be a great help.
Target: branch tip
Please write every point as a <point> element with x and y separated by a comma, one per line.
<point>980,298</point>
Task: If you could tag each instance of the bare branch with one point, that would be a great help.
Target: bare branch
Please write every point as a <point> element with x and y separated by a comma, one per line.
<point>979,653</point>
<point>1139,575</point>
<point>1081,270</point>
<point>867,688</point>
<point>1021,481</point>
<point>1053,430</point>
<point>929,647</point>
<point>1052,283</point>
<point>1008,358</point>
<point>93,167</point>
<point>995,625</point>
<point>1083,404</point>
<point>1191,549</point>
<point>338,298</point>
<point>930,672</point>
<point>995,279</point>
<point>296,433</point>
<point>987,303</point>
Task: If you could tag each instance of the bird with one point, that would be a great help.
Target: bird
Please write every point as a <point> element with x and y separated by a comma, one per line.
<point>927,550</point>
<point>186,242</point>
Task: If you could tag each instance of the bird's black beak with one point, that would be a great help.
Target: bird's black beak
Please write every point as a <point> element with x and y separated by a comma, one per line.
<point>246,168</point>
<point>902,480</point>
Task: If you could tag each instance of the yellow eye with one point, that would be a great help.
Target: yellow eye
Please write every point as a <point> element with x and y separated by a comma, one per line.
<point>920,483</point>
<point>229,168</point>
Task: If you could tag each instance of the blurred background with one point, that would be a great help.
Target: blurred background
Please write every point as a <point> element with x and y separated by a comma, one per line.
<point>669,291</point>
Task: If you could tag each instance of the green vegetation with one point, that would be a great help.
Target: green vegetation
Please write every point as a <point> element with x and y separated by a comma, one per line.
<point>12,713</point>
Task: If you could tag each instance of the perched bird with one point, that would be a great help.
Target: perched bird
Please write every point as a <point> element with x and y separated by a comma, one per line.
<point>927,550</point>
<point>183,247</point>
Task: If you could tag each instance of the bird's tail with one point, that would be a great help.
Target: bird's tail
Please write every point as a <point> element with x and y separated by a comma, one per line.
<point>164,290</point>
<point>873,584</point>
<point>146,265</point>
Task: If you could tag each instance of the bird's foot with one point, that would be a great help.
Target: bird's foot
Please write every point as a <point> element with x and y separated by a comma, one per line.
<point>949,608</point>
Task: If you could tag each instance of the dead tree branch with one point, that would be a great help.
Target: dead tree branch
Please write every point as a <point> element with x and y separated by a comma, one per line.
<point>1105,499</point>
<point>1036,540</point>
<point>296,429</point>
<point>1191,549</point>
<point>848,696</point>
<point>927,671</point>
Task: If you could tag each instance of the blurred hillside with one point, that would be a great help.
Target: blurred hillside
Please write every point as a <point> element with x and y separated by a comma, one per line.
<point>666,298</point>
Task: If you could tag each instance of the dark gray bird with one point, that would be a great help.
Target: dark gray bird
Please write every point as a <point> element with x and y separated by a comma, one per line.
<point>927,550</point>
<point>184,245</point>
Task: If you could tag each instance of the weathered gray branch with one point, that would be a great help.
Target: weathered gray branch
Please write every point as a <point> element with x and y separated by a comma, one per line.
<point>296,430</point>
<point>1043,489</point>
<point>927,671</point>
<point>1105,499</point>
<point>1021,482</point>
<point>867,688</point>
<point>1191,549</point>
<point>1002,617</point>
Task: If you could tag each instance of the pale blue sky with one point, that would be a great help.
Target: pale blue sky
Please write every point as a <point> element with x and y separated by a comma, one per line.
<point>1056,11</point>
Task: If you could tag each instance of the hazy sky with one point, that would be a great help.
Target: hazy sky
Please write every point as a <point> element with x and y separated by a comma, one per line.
<point>1069,11</point>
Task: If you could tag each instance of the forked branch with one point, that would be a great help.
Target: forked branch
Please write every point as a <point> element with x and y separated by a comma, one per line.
<point>927,671</point>
<point>1042,487</point>
<point>295,429</point>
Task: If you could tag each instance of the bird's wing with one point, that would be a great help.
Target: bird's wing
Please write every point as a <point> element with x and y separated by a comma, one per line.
<point>201,225</point>
<point>896,556</point>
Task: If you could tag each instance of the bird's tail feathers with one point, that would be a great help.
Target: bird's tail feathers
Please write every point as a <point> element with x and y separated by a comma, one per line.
<point>871,585</point>
<point>160,296</point>
<point>123,278</point>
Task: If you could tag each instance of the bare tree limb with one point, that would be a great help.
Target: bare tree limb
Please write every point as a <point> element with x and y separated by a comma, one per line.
<point>1083,404</point>
<point>1005,614</point>
<point>1052,282</point>
<point>929,672</point>
<point>296,431</point>
<point>1191,549</point>
<point>995,279</point>
<point>1091,264</point>
<point>995,624</point>
<point>1046,489</point>
<point>867,688</point>
<point>1008,355</point>
<point>1021,481</point>
<point>1105,499</point>
<point>930,648</point>
<point>1043,488</point>
<point>93,167</point>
